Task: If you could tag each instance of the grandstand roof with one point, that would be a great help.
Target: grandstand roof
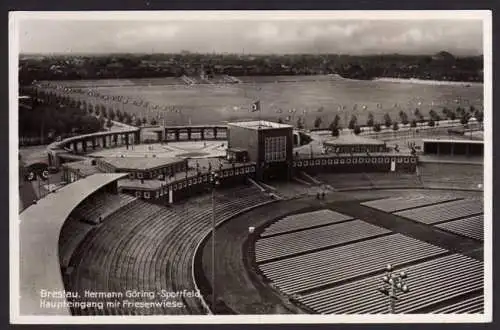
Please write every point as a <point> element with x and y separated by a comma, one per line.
<point>140,163</point>
<point>259,125</point>
<point>352,139</point>
<point>39,228</point>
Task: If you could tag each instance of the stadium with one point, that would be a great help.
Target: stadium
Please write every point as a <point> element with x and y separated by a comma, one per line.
<point>246,217</point>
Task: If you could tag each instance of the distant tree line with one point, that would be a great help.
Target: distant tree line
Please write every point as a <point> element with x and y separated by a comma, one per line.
<point>442,66</point>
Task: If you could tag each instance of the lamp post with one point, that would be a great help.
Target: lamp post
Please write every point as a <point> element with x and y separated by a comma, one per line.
<point>394,283</point>
<point>214,182</point>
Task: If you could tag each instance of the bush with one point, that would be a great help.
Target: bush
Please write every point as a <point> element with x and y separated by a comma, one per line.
<point>376,127</point>
<point>413,123</point>
<point>357,130</point>
<point>395,126</point>
<point>431,123</point>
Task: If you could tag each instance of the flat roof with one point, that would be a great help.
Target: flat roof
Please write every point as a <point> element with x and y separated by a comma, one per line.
<point>39,229</point>
<point>192,173</point>
<point>259,124</point>
<point>84,167</point>
<point>146,184</point>
<point>140,163</point>
<point>352,139</point>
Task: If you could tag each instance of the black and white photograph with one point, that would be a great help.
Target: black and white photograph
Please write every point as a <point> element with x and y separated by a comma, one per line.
<point>250,167</point>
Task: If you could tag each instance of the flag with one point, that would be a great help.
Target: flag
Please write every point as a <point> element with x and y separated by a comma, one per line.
<point>256,106</point>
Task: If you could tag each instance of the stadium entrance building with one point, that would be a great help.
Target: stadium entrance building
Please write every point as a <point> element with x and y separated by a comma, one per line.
<point>269,145</point>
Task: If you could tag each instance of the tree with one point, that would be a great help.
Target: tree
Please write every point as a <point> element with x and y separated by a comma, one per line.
<point>109,123</point>
<point>395,126</point>
<point>353,122</point>
<point>377,127</point>
<point>336,120</point>
<point>479,115</point>
<point>472,109</point>
<point>127,120</point>
<point>102,122</point>
<point>335,131</point>
<point>432,114</point>
<point>465,119</point>
<point>138,122</point>
<point>317,122</point>
<point>111,114</point>
<point>417,112</point>
<point>144,120</point>
<point>446,112</point>
<point>357,129</point>
<point>413,123</point>
<point>153,121</point>
<point>404,117</point>
<point>300,125</point>
<point>280,121</point>
<point>370,120</point>
<point>387,120</point>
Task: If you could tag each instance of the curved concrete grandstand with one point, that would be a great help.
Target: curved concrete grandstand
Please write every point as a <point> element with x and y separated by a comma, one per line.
<point>315,256</point>
<point>136,216</point>
<point>39,229</point>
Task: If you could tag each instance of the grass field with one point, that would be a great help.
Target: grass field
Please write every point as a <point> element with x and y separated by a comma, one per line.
<point>216,103</point>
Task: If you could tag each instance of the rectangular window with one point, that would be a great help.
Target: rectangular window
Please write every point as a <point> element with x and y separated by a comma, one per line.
<point>275,149</point>
<point>147,195</point>
<point>138,194</point>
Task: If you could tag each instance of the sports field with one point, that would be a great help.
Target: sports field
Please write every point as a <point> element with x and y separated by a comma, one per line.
<point>311,96</point>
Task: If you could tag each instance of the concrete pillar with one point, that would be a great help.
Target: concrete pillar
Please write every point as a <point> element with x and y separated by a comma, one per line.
<point>75,147</point>
<point>84,145</point>
<point>104,141</point>
<point>177,134</point>
<point>202,133</point>
<point>438,148</point>
<point>93,143</point>
<point>126,140</point>
<point>452,148</point>
<point>215,133</point>
<point>137,137</point>
<point>189,133</point>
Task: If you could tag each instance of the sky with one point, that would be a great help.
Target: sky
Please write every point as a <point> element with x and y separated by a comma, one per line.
<point>353,36</point>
